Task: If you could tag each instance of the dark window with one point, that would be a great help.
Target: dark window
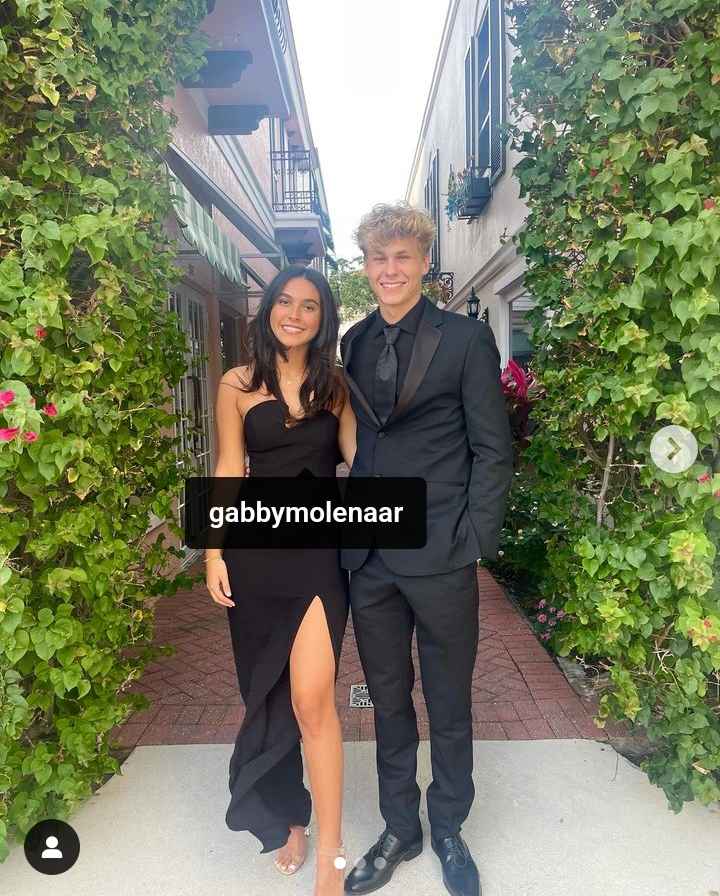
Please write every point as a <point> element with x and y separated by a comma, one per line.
<point>485,95</point>
<point>229,349</point>
<point>432,204</point>
<point>522,349</point>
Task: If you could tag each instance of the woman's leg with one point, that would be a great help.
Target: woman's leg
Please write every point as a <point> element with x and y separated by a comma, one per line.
<point>312,688</point>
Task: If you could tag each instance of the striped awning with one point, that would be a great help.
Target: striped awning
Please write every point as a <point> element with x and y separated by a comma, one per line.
<point>202,232</point>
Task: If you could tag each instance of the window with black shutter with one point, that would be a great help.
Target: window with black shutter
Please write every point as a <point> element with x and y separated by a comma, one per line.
<point>432,204</point>
<point>485,95</point>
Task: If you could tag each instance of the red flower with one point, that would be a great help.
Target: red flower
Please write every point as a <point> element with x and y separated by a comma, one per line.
<point>515,381</point>
<point>709,204</point>
<point>6,398</point>
<point>9,433</point>
<point>40,332</point>
<point>704,477</point>
<point>30,436</point>
<point>593,172</point>
<point>50,410</point>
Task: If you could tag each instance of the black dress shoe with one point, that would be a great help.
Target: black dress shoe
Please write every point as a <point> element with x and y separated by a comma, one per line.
<point>376,867</point>
<point>459,871</point>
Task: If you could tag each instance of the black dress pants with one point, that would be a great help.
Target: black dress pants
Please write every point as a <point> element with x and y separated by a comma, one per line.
<point>444,609</point>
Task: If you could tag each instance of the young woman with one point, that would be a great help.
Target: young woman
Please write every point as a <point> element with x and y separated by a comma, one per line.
<point>287,608</point>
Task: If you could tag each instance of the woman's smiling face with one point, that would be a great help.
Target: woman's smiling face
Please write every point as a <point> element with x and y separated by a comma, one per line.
<point>296,315</point>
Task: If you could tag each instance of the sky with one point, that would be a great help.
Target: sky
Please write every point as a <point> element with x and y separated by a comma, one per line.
<point>366,67</point>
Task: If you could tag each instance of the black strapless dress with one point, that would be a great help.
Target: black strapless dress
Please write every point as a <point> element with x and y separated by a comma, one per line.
<point>272,590</point>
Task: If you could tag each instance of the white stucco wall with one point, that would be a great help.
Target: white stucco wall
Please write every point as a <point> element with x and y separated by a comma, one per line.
<point>472,250</point>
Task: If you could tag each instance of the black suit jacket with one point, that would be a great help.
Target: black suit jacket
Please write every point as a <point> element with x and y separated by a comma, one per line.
<point>449,427</point>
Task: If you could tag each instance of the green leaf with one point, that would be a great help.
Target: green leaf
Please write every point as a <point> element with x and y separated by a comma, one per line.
<point>86,225</point>
<point>649,106</point>
<point>611,71</point>
<point>27,235</point>
<point>105,189</point>
<point>647,252</point>
<point>21,360</point>
<point>50,230</point>
<point>48,89</point>
<point>45,616</point>
<point>637,228</point>
<point>708,267</point>
<point>628,87</point>
<point>632,295</point>
<point>635,556</point>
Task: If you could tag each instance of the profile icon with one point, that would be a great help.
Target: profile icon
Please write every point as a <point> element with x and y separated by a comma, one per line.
<point>52,846</point>
<point>51,852</point>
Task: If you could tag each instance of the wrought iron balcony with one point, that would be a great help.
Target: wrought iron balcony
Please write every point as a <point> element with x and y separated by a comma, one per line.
<point>442,282</point>
<point>294,188</point>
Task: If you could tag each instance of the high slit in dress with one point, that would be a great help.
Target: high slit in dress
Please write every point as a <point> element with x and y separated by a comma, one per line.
<point>272,590</point>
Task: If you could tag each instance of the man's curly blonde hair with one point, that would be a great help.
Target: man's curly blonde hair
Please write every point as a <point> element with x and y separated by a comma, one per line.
<point>390,222</point>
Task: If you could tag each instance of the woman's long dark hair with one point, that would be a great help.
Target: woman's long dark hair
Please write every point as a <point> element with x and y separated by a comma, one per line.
<point>321,387</point>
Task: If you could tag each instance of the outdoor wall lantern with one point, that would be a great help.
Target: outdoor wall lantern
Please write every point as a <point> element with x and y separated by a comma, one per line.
<point>473,305</point>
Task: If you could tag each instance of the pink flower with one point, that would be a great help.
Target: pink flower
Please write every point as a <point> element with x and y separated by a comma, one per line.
<point>553,610</point>
<point>9,433</point>
<point>545,636</point>
<point>541,604</point>
<point>40,332</point>
<point>561,614</point>
<point>707,623</point>
<point>515,380</point>
<point>30,436</point>
<point>542,618</point>
<point>7,397</point>
<point>552,622</point>
<point>716,494</point>
<point>50,410</point>
<point>704,477</point>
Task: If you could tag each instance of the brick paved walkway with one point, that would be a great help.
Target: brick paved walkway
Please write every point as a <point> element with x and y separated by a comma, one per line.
<point>519,693</point>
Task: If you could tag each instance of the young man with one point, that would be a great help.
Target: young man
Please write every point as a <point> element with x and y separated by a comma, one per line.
<point>425,388</point>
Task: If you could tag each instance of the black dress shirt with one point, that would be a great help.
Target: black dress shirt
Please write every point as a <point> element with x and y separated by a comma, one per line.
<point>368,346</point>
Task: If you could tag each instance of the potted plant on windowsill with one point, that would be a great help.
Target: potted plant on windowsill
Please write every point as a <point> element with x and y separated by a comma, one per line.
<point>468,193</point>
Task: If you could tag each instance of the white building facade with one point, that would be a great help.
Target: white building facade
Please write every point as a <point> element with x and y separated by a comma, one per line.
<point>251,200</point>
<point>461,135</point>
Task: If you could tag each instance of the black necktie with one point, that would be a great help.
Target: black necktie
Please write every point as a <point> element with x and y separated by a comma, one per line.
<point>386,375</point>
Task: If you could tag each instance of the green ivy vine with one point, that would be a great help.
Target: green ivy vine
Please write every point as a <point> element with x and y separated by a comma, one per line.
<point>88,356</point>
<point>621,175</point>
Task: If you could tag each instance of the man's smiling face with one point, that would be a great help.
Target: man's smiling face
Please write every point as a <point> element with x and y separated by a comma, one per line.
<point>395,272</point>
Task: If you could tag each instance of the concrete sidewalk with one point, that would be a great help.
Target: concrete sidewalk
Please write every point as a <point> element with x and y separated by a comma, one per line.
<point>551,818</point>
